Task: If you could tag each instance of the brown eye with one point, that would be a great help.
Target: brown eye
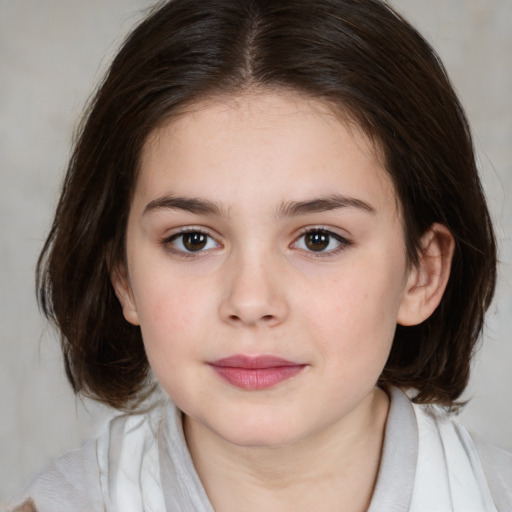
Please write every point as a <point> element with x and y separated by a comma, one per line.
<point>194,241</point>
<point>317,240</point>
<point>322,242</point>
<point>190,242</point>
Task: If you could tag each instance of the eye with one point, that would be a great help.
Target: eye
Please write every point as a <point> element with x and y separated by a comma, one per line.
<point>321,241</point>
<point>190,242</point>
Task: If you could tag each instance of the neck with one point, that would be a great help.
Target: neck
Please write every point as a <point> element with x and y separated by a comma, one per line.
<point>335,467</point>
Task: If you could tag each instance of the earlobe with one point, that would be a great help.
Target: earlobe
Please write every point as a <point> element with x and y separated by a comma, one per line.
<point>123,289</point>
<point>427,279</point>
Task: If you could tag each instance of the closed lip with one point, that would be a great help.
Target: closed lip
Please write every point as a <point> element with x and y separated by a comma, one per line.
<point>256,372</point>
<point>253,362</point>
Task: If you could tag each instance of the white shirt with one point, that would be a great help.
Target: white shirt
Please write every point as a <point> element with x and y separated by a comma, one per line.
<point>429,464</point>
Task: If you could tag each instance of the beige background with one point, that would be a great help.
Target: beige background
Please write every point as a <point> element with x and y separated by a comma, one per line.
<point>52,52</point>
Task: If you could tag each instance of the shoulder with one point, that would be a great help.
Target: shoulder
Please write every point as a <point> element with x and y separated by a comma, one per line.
<point>497,466</point>
<point>79,479</point>
<point>70,481</point>
<point>468,461</point>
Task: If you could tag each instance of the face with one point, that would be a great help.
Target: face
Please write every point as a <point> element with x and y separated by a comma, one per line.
<point>265,265</point>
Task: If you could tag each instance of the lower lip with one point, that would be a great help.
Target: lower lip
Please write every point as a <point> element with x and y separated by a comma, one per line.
<point>257,378</point>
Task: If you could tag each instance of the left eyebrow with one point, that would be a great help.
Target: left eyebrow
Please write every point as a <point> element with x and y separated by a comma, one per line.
<point>323,204</point>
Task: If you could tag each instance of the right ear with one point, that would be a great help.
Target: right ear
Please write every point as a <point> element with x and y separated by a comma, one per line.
<point>121,283</point>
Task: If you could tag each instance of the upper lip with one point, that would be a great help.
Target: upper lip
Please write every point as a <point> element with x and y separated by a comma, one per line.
<point>253,362</point>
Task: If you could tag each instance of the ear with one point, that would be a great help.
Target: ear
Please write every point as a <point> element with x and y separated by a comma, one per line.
<point>427,279</point>
<point>121,283</point>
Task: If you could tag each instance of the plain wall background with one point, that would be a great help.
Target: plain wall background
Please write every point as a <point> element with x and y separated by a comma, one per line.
<point>52,53</point>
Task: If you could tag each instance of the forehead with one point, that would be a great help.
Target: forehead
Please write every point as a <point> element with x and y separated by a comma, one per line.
<point>283,139</point>
<point>259,110</point>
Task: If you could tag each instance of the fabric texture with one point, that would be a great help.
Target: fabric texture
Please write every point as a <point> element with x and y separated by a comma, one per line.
<point>429,464</point>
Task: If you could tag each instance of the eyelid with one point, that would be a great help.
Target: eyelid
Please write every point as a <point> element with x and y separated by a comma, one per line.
<point>344,242</point>
<point>167,240</point>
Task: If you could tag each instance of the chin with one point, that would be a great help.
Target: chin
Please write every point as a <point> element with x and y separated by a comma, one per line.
<point>259,434</point>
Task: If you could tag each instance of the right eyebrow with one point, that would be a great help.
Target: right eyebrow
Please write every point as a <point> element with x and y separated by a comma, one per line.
<point>189,204</point>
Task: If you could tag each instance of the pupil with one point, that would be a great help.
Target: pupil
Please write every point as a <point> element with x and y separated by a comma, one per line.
<point>194,241</point>
<point>317,241</point>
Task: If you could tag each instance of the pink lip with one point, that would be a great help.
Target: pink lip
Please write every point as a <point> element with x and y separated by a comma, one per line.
<point>255,373</point>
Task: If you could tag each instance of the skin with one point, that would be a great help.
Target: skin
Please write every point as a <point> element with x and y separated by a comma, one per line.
<point>257,288</point>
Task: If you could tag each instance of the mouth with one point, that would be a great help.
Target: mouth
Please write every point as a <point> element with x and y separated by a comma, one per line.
<point>254,373</point>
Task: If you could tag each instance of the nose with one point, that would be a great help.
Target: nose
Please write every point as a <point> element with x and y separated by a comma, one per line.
<point>255,295</point>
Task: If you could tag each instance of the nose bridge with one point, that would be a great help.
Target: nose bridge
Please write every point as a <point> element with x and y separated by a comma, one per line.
<point>254,292</point>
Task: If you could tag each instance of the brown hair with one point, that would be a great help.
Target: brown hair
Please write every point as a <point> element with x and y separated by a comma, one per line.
<point>357,54</point>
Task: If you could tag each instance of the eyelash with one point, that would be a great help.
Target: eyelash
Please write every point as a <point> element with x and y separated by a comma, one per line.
<point>343,242</point>
<point>168,242</point>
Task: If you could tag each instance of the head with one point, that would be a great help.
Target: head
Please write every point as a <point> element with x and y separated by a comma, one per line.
<point>361,61</point>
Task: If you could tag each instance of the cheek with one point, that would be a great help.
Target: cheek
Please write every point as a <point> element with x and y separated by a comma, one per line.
<point>165,316</point>
<point>355,314</point>
<point>168,300</point>
<point>169,327</point>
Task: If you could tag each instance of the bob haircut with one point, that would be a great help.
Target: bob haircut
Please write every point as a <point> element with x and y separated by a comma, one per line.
<point>360,57</point>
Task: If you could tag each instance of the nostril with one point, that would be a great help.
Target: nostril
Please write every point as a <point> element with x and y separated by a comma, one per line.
<point>264,318</point>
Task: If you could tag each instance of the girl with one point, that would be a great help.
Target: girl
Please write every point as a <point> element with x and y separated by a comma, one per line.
<point>273,215</point>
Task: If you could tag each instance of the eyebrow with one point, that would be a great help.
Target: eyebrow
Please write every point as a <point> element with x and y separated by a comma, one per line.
<point>189,204</point>
<point>286,209</point>
<point>323,204</point>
